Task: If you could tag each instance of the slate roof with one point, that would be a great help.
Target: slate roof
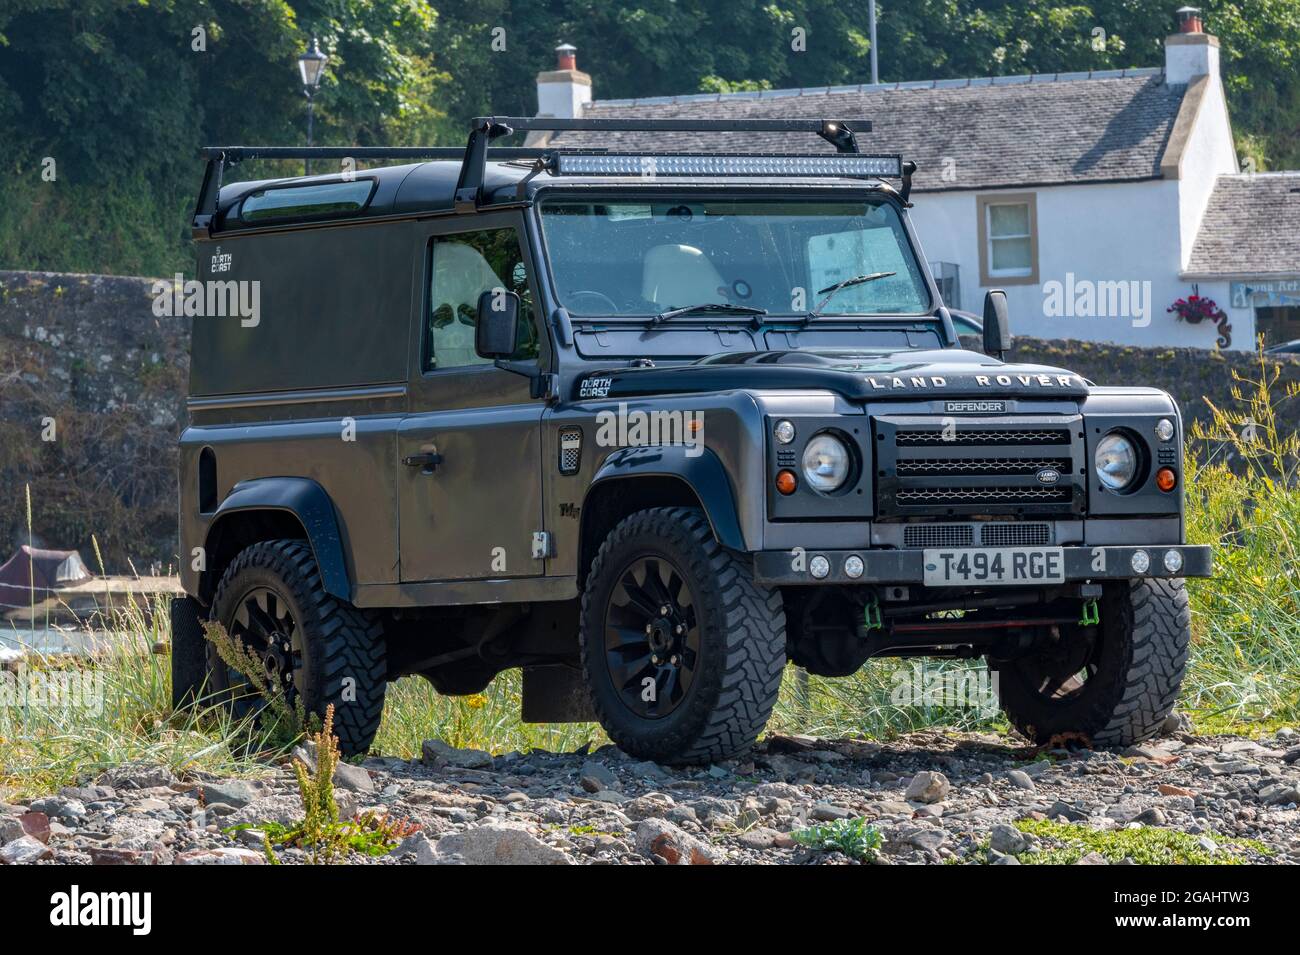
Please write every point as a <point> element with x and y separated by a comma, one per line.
<point>1251,227</point>
<point>1006,131</point>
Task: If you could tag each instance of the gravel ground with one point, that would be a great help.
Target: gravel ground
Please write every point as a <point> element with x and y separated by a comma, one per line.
<point>934,797</point>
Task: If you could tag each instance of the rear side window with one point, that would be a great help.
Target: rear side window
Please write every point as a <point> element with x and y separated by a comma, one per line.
<point>299,202</point>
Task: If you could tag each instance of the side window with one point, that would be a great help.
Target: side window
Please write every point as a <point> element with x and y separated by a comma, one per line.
<point>463,267</point>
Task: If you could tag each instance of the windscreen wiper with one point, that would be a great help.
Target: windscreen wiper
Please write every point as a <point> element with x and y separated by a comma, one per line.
<point>710,307</point>
<point>847,283</point>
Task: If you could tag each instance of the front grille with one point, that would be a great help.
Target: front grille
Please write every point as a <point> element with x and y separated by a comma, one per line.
<point>965,495</point>
<point>946,437</point>
<point>1015,535</point>
<point>928,466</point>
<point>1008,465</point>
<point>938,535</point>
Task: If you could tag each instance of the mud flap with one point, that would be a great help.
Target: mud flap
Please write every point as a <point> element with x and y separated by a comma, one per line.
<point>556,693</point>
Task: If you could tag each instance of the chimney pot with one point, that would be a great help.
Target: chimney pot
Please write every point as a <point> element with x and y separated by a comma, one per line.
<point>566,57</point>
<point>1189,20</point>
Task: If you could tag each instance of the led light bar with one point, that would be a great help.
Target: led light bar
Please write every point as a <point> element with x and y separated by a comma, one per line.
<point>649,165</point>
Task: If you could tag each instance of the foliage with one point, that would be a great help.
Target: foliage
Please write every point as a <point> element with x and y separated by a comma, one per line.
<point>280,722</point>
<point>117,94</point>
<point>1066,844</point>
<point>856,838</point>
<point>320,832</point>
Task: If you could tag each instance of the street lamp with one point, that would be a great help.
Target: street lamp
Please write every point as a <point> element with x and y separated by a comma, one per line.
<point>311,65</point>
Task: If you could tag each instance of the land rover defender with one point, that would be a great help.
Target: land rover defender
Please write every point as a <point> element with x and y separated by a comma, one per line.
<point>649,426</point>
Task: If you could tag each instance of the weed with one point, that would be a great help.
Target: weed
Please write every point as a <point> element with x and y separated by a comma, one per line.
<point>856,838</point>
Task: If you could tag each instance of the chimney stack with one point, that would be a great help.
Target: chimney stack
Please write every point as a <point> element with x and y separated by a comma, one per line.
<point>563,92</point>
<point>1191,52</point>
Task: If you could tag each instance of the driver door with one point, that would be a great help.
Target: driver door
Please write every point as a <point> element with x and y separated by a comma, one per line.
<point>469,454</point>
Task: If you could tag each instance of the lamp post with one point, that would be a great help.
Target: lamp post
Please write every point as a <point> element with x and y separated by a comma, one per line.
<point>311,66</point>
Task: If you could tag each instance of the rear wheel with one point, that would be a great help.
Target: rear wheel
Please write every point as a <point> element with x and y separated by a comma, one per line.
<point>681,650</point>
<point>317,648</point>
<point>1113,683</point>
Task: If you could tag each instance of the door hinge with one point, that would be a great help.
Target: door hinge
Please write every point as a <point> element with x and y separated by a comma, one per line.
<point>542,545</point>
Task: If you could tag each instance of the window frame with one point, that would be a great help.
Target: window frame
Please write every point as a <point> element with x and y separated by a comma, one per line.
<point>983,204</point>
<point>425,335</point>
<point>274,220</point>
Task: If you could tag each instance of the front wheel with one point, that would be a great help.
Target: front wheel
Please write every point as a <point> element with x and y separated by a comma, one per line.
<point>1115,682</point>
<point>318,649</point>
<point>681,650</point>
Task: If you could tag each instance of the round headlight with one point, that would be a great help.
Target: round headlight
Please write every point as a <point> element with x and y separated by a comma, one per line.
<point>825,462</point>
<point>1116,461</point>
<point>1165,429</point>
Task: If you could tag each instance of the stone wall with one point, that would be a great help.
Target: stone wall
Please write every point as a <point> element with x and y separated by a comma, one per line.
<point>92,391</point>
<point>91,402</point>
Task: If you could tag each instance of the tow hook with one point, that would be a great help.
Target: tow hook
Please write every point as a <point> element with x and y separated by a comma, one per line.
<point>1091,615</point>
<point>871,614</point>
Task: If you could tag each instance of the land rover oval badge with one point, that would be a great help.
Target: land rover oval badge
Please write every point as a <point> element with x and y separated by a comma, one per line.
<point>1049,476</point>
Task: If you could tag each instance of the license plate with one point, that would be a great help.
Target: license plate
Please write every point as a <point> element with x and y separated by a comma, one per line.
<point>984,566</point>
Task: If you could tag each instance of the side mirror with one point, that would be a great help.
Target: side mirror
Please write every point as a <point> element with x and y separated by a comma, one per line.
<point>497,332</point>
<point>997,327</point>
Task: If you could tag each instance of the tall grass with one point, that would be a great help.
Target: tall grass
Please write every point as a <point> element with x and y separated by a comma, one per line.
<point>1244,673</point>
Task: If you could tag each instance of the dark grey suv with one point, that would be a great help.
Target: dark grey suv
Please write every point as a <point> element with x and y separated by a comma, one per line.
<point>649,427</point>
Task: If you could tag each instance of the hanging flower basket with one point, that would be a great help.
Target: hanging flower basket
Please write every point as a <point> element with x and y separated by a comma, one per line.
<point>1197,308</point>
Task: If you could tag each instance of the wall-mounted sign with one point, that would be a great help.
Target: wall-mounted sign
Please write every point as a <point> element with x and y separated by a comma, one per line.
<point>1273,293</point>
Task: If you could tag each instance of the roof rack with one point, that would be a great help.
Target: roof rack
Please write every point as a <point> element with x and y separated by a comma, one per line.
<point>484,129</point>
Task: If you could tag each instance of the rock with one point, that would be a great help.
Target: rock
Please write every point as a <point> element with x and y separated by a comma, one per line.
<point>1007,840</point>
<point>353,778</point>
<point>1232,767</point>
<point>223,855</point>
<point>648,806</point>
<point>1291,755</point>
<point>664,842</point>
<point>1175,723</point>
<point>1165,789</point>
<point>928,839</point>
<point>825,812</point>
<point>1280,794</point>
<point>137,776</point>
<point>418,844</point>
<point>11,828</point>
<point>594,777</point>
<point>649,770</point>
<point>1060,808</point>
<point>57,807</point>
<point>500,845</point>
<point>1093,858</point>
<point>1208,844</point>
<point>760,838</point>
<point>1020,779</point>
<point>36,825</point>
<point>1151,817</point>
<point>438,754</point>
<point>114,855</point>
<point>1006,860</point>
<point>24,851</point>
<point>235,793</point>
<point>927,787</point>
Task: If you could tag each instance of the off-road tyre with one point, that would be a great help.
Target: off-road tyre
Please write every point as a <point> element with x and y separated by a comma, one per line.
<point>741,641</point>
<point>1145,638</point>
<point>341,657</point>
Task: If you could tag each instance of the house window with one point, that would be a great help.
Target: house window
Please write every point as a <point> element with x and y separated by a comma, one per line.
<point>1008,234</point>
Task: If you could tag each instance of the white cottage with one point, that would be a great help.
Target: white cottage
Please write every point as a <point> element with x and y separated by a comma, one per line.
<point>1097,200</point>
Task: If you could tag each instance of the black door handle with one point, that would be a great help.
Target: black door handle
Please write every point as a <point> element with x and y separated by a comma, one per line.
<point>429,460</point>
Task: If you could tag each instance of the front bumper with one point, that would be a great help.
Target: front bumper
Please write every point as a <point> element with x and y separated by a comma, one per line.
<point>773,568</point>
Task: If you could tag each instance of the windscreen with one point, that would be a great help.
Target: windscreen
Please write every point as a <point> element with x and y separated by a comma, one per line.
<point>637,258</point>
